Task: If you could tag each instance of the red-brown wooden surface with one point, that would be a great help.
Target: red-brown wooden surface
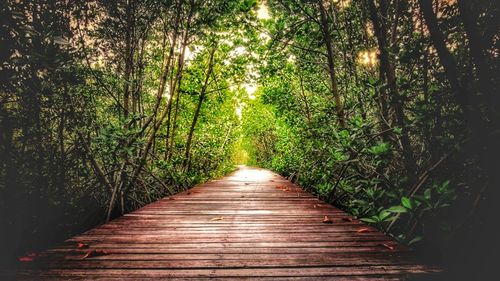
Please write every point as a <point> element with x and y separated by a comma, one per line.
<point>252,225</point>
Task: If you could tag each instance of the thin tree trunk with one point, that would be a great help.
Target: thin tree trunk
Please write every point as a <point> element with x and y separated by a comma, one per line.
<point>175,91</point>
<point>120,186</point>
<point>477,51</point>
<point>177,85</point>
<point>62,151</point>
<point>445,57</point>
<point>180,72</point>
<point>128,58</point>
<point>387,68</point>
<point>173,84</point>
<point>198,107</point>
<point>140,80</point>
<point>304,98</point>
<point>331,65</point>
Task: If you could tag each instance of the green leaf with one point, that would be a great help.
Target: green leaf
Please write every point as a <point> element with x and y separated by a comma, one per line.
<point>380,148</point>
<point>406,202</point>
<point>427,194</point>
<point>397,209</point>
<point>397,130</point>
<point>384,214</point>
<point>368,220</point>
<point>444,187</point>
<point>415,240</point>
<point>372,81</point>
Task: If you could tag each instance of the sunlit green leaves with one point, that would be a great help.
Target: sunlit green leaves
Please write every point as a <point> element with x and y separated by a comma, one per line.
<point>380,148</point>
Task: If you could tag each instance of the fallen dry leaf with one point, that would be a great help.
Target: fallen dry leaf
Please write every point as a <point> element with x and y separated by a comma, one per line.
<point>29,257</point>
<point>217,218</point>
<point>363,230</point>
<point>347,219</point>
<point>388,246</point>
<point>82,245</point>
<point>327,220</point>
<point>25,259</point>
<point>94,253</point>
<point>171,198</point>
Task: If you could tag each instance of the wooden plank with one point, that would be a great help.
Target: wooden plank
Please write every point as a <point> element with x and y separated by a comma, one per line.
<point>327,271</point>
<point>251,225</point>
<point>137,249</point>
<point>118,254</point>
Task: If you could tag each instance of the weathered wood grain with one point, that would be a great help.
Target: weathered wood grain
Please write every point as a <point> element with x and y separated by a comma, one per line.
<point>251,225</point>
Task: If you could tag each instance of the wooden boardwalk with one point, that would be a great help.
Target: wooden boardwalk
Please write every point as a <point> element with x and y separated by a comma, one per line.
<point>252,225</point>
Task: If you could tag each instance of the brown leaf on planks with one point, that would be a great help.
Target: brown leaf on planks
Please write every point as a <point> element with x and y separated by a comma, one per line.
<point>327,220</point>
<point>25,259</point>
<point>82,245</point>
<point>217,218</point>
<point>94,253</point>
<point>171,198</point>
<point>363,230</point>
<point>390,247</point>
<point>347,219</point>
<point>282,187</point>
<point>28,258</point>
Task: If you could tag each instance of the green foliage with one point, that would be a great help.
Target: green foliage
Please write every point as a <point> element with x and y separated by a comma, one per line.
<point>379,149</point>
<point>391,163</point>
<point>91,110</point>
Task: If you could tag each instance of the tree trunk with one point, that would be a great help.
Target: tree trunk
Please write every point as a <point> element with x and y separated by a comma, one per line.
<point>175,91</point>
<point>198,107</point>
<point>477,50</point>
<point>177,83</point>
<point>120,186</point>
<point>445,57</point>
<point>387,68</point>
<point>173,84</point>
<point>331,65</point>
<point>128,56</point>
<point>304,98</point>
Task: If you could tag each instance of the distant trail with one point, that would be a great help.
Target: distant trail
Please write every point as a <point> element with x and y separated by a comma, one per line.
<point>252,225</point>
